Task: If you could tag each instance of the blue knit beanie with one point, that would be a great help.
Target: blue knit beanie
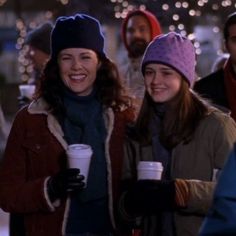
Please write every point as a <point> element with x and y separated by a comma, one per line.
<point>78,31</point>
<point>173,50</point>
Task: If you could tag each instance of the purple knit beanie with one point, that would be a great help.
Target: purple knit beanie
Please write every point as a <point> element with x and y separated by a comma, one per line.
<point>173,50</point>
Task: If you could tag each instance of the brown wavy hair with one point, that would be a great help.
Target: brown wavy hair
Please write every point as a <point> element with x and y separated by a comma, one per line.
<point>180,120</point>
<point>110,91</point>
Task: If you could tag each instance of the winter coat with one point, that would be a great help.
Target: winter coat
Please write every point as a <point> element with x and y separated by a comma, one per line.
<point>35,151</point>
<point>222,215</point>
<point>212,87</point>
<point>197,161</point>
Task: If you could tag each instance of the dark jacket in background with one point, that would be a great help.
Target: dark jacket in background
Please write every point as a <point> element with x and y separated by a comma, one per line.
<point>212,87</point>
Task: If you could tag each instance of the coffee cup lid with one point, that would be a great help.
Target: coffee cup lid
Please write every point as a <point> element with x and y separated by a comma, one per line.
<point>81,148</point>
<point>150,165</point>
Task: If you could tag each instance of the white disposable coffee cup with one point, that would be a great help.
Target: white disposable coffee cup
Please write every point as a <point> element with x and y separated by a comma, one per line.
<point>79,156</point>
<point>27,90</point>
<point>149,170</point>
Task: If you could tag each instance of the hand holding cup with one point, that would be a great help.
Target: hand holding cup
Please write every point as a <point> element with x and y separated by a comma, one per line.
<point>64,181</point>
<point>79,156</point>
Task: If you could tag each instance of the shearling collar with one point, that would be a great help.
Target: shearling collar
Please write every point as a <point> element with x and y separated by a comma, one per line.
<point>39,106</point>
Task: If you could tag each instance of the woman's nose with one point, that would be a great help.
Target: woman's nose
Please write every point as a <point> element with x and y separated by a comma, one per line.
<point>76,64</point>
<point>156,78</point>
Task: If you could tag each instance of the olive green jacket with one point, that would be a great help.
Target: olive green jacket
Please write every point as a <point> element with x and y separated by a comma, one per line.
<point>198,162</point>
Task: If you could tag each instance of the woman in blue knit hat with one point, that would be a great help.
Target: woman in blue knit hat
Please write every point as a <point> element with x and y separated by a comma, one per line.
<point>182,131</point>
<point>79,101</point>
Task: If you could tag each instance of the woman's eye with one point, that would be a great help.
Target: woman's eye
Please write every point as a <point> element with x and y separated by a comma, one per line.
<point>167,73</point>
<point>65,58</point>
<point>148,73</point>
<point>86,57</point>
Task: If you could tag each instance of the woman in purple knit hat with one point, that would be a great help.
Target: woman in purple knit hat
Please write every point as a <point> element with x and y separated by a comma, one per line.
<point>182,131</point>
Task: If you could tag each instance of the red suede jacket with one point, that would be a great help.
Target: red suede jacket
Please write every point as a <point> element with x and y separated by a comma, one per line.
<point>36,150</point>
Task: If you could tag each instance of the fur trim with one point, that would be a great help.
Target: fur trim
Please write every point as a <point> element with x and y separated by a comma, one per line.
<point>109,123</point>
<point>40,106</point>
<point>66,215</point>
<point>50,204</point>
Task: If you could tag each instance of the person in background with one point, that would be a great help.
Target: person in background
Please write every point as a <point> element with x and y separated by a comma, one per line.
<point>220,61</point>
<point>220,86</point>
<point>222,214</point>
<point>80,100</point>
<point>38,41</point>
<point>138,29</point>
<point>176,127</point>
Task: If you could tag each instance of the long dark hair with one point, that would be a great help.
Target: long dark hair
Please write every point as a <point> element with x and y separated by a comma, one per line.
<point>180,120</point>
<point>110,91</point>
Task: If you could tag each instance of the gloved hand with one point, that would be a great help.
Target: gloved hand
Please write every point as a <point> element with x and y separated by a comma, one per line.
<point>147,197</point>
<point>65,181</point>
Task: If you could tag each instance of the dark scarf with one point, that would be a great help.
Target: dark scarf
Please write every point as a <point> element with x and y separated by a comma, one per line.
<point>161,154</point>
<point>84,123</point>
<point>230,85</point>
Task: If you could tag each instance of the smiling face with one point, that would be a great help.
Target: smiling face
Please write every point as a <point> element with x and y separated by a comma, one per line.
<point>162,82</point>
<point>78,69</point>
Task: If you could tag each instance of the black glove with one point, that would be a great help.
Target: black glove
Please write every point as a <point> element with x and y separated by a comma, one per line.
<point>63,182</point>
<point>147,197</point>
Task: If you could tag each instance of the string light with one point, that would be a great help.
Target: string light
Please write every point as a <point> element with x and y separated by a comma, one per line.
<point>183,9</point>
<point>177,13</point>
<point>25,65</point>
<point>165,7</point>
<point>64,2</point>
<point>178,5</point>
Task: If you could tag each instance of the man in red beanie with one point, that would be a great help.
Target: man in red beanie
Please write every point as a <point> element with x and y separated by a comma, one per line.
<point>138,30</point>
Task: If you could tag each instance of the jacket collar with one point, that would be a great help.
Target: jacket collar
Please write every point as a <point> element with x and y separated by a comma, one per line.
<point>39,106</point>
